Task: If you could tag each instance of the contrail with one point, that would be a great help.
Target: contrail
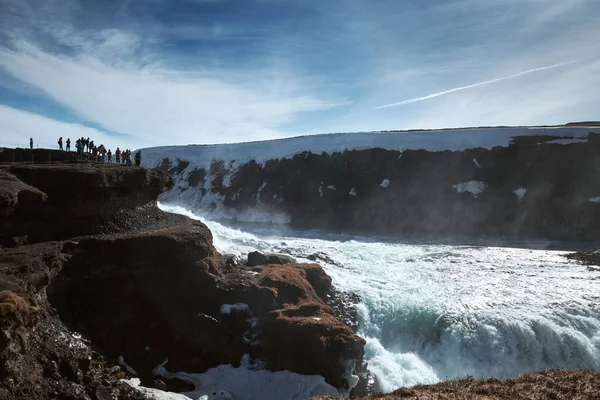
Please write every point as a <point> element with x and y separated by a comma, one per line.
<point>431,96</point>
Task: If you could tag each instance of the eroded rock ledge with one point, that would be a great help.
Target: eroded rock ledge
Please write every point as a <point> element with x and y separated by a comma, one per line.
<point>90,253</point>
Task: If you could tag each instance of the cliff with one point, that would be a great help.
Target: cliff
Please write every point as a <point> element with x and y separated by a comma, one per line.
<point>509,182</point>
<point>93,274</point>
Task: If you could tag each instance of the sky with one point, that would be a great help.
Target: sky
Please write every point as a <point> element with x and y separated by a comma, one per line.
<point>138,73</point>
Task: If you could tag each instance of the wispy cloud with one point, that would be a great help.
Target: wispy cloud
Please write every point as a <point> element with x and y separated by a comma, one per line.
<point>183,71</point>
<point>152,102</point>
<point>458,89</point>
<point>18,126</point>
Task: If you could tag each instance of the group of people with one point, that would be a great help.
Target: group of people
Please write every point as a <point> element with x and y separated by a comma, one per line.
<point>98,153</point>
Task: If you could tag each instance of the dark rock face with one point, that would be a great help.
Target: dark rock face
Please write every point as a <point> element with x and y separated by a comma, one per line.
<point>61,201</point>
<point>39,357</point>
<point>154,288</point>
<point>158,295</point>
<point>417,192</point>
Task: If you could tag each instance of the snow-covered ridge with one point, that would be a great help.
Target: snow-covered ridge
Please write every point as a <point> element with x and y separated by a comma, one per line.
<point>430,140</point>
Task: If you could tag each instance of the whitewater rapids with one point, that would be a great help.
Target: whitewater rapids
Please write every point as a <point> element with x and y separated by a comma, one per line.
<point>436,312</point>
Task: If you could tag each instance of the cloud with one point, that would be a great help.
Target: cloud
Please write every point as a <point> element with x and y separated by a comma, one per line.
<point>18,126</point>
<point>180,72</point>
<point>434,95</point>
<point>119,81</point>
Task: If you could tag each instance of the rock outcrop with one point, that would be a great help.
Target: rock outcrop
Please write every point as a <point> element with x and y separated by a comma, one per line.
<point>542,385</point>
<point>40,203</point>
<point>96,275</point>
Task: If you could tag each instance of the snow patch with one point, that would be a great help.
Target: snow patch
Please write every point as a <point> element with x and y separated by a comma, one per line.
<point>430,140</point>
<point>237,307</point>
<point>349,374</point>
<point>321,190</point>
<point>473,187</point>
<point>260,189</point>
<point>385,183</point>
<point>332,187</point>
<point>594,199</point>
<point>352,192</point>
<point>566,141</point>
<point>316,318</point>
<point>228,383</point>
<point>227,180</point>
<point>520,193</point>
<point>476,163</point>
<point>128,367</point>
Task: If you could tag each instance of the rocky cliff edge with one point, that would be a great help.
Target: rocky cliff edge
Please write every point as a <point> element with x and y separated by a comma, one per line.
<point>93,274</point>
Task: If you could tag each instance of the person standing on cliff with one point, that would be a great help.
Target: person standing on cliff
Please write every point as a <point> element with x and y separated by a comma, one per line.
<point>109,154</point>
<point>138,158</point>
<point>118,156</point>
<point>68,144</point>
<point>31,143</point>
<point>60,144</point>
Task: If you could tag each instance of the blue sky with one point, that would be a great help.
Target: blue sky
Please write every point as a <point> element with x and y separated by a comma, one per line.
<point>150,72</point>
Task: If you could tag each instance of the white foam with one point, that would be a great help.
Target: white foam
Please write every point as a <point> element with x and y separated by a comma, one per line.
<point>331,187</point>
<point>352,192</point>
<point>434,312</point>
<point>385,183</point>
<point>476,163</point>
<point>473,187</point>
<point>594,199</point>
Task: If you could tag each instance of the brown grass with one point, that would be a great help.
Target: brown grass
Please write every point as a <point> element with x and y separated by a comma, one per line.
<point>543,385</point>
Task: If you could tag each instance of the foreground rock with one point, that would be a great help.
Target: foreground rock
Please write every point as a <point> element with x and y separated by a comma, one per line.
<point>40,203</point>
<point>556,384</point>
<point>142,287</point>
<point>586,257</point>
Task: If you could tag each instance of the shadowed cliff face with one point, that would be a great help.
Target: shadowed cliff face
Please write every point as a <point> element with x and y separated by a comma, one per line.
<point>538,187</point>
<point>145,285</point>
<point>60,201</point>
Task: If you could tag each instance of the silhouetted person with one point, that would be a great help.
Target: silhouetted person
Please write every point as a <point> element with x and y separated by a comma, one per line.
<point>118,156</point>
<point>109,154</point>
<point>31,143</point>
<point>138,158</point>
<point>68,144</point>
<point>60,143</point>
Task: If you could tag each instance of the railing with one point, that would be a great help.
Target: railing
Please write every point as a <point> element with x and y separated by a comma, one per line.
<point>50,156</point>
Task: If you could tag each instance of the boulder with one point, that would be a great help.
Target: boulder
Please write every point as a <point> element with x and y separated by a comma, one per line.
<point>308,339</point>
<point>256,258</point>
<point>274,258</point>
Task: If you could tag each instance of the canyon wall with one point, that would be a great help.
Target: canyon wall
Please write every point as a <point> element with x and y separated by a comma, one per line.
<point>537,184</point>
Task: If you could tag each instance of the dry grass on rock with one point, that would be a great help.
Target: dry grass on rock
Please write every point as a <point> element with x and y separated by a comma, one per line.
<point>543,385</point>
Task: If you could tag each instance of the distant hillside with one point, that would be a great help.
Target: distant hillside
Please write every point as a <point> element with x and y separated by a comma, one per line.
<point>584,123</point>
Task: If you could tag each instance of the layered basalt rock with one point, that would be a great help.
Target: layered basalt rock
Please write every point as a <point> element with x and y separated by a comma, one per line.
<point>40,203</point>
<point>537,187</point>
